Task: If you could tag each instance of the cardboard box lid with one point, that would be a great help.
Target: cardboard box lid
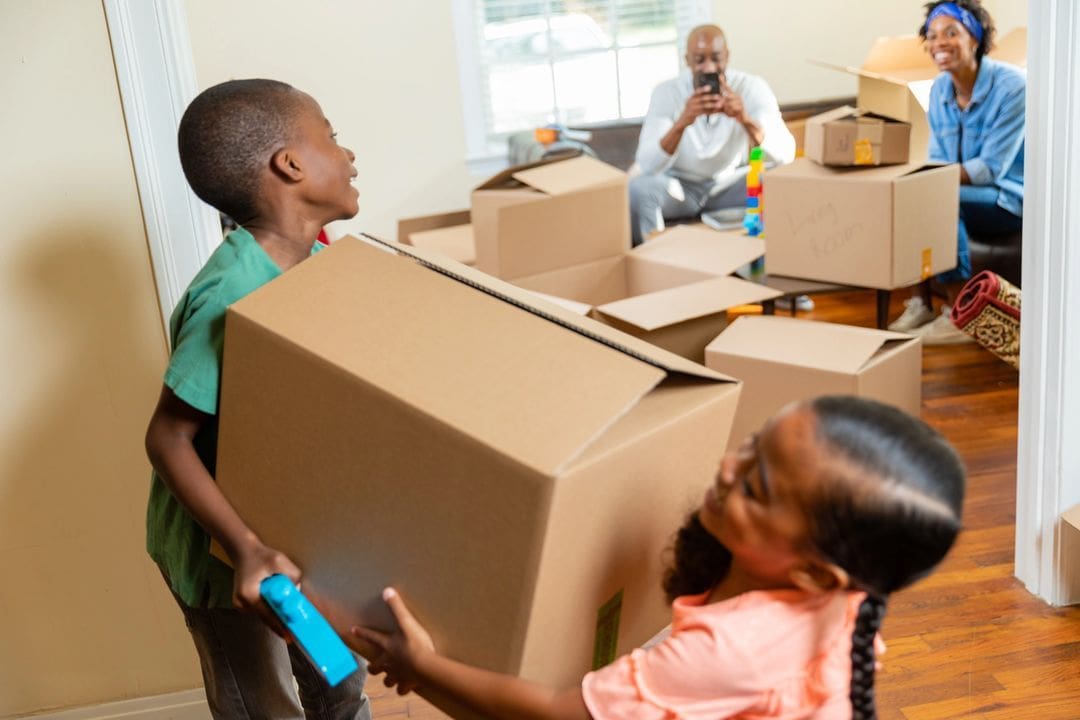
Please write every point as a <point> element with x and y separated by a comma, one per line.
<point>807,168</point>
<point>558,176</point>
<point>701,248</point>
<point>448,348</point>
<point>563,313</point>
<point>1072,516</point>
<point>686,302</point>
<point>806,343</point>
<point>856,116</point>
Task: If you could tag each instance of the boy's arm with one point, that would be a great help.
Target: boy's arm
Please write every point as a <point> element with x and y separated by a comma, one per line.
<point>170,446</point>
<point>409,659</point>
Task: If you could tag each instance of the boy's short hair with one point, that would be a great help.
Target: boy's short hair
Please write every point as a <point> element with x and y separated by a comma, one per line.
<point>228,134</point>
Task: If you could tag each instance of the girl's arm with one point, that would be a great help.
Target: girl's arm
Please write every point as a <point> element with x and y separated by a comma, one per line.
<point>409,659</point>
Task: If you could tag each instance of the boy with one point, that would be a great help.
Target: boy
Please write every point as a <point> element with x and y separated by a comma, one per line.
<point>261,152</point>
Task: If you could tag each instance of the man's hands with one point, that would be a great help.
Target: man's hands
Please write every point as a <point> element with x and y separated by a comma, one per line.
<point>704,102</point>
<point>399,653</point>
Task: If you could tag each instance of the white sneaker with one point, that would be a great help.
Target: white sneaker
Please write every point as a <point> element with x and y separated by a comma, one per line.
<point>915,315</point>
<point>941,331</point>
<point>803,302</point>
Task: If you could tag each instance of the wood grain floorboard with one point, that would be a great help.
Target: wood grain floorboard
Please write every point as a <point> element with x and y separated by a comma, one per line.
<point>969,642</point>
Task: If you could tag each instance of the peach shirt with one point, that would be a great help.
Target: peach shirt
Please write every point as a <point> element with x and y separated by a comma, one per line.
<point>764,654</point>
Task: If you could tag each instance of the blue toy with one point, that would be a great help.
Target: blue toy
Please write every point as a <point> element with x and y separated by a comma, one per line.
<point>314,636</point>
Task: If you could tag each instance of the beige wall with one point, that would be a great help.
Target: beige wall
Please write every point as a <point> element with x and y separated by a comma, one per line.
<point>776,38</point>
<point>85,618</point>
<point>386,74</point>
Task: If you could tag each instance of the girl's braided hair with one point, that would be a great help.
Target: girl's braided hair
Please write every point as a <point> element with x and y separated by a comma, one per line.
<point>887,513</point>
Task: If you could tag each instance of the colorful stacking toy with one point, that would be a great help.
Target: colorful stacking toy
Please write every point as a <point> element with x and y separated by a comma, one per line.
<point>754,220</point>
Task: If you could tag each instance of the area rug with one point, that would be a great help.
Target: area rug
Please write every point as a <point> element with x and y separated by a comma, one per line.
<point>988,309</point>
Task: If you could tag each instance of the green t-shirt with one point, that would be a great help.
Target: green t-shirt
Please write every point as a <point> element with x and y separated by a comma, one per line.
<point>197,330</point>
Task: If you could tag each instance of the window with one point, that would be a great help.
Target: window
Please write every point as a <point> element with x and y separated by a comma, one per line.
<point>527,63</point>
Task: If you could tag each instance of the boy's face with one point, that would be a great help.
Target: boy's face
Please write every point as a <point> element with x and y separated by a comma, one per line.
<point>328,166</point>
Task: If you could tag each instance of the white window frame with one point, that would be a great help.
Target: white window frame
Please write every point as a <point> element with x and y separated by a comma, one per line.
<point>688,13</point>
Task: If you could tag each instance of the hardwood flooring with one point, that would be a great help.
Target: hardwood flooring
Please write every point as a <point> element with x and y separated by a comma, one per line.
<point>969,642</point>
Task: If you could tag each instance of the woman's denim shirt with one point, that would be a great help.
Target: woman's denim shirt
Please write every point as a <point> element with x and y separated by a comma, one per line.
<point>988,136</point>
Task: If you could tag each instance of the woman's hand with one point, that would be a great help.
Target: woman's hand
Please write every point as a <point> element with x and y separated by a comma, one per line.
<point>401,653</point>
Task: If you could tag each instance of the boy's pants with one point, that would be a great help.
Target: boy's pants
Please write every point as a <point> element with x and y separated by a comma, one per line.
<point>248,672</point>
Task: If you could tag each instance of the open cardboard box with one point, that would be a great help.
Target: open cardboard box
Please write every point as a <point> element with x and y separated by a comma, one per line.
<point>883,227</point>
<point>781,360</point>
<point>390,417</point>
<point>895,80</point>
<point>673,291</point>
<point>846,136</point>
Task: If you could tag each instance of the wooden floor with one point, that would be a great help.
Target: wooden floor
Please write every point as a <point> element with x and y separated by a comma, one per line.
<point>969,642</point>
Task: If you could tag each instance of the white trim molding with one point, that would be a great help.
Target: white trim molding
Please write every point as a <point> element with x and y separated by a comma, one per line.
<point>183,705</point>
<point>156,75</point>
<point>1048,461</point>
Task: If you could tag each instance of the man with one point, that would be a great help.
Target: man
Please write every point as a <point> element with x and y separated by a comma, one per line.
<point>695,144</point>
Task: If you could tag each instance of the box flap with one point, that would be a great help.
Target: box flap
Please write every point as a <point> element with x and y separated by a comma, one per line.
<point>903,53</point>
<point>508,378</point>
<point>701,248</point>
<point>408,226</point>
<point>456,242</point>
<point>570,175</point>
<point>531,302</point>
<point>807,343</point>
<point>1012,47</point>
<point>686,302</point>
<point>830,115</point>
<point>505,178</point>
<point>1072,516</point>
<point>578,308</point>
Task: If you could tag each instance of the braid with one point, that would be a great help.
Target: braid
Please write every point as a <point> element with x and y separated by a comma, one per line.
<point>871,613</point>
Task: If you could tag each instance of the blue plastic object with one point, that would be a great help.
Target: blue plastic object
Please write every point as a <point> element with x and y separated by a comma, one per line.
<point>314,636</point>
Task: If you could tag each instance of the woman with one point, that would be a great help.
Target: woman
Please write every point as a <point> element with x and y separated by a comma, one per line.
<point>976,116</point>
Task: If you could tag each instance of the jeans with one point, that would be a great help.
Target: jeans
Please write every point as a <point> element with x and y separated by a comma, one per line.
<point>980,215</point>
<point>659,197</point>
<point>248,672</point>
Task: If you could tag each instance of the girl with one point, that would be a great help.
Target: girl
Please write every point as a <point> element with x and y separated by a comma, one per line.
<point>778,583</point>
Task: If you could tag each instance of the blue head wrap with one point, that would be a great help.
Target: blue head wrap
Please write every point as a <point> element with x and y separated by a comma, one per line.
<point>951,9</point>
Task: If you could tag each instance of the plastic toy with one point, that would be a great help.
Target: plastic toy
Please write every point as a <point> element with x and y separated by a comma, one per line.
<point>313,635</point>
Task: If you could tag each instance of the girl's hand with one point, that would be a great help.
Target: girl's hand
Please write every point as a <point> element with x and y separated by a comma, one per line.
<point>253,565</point>
<point>400,653</point>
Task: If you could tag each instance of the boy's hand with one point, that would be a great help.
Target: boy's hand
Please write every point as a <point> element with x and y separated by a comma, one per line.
<point>253,565</point>
<point>398,654</point>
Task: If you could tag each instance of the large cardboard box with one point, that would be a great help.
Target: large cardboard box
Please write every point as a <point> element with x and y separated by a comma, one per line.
<point>674,291</point>
<point>883,227</point>
<point>846,136</point>
<point>895,80</point>
<point>781,360</point>
<point>515,470</point>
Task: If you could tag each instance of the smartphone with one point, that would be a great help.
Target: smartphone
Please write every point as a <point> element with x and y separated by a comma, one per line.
<point>710,80</point>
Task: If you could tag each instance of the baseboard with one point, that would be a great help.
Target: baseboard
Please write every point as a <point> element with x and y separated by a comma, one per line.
<point>184,705</point>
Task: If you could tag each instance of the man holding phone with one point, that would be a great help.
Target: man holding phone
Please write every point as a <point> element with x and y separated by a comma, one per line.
<point>695,142</point>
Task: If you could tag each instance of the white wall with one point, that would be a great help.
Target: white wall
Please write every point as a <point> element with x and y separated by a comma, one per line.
<point>85,615</point>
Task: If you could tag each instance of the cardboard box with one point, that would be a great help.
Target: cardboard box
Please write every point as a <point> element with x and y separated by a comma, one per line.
<point>846,136</point>
<point>781,360</point>
<point>554,214</point>
<point>449,234</point>
<point>895,80</point>
<point>515,470</point>
<point>883,227</point>
<point>673,291</point>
